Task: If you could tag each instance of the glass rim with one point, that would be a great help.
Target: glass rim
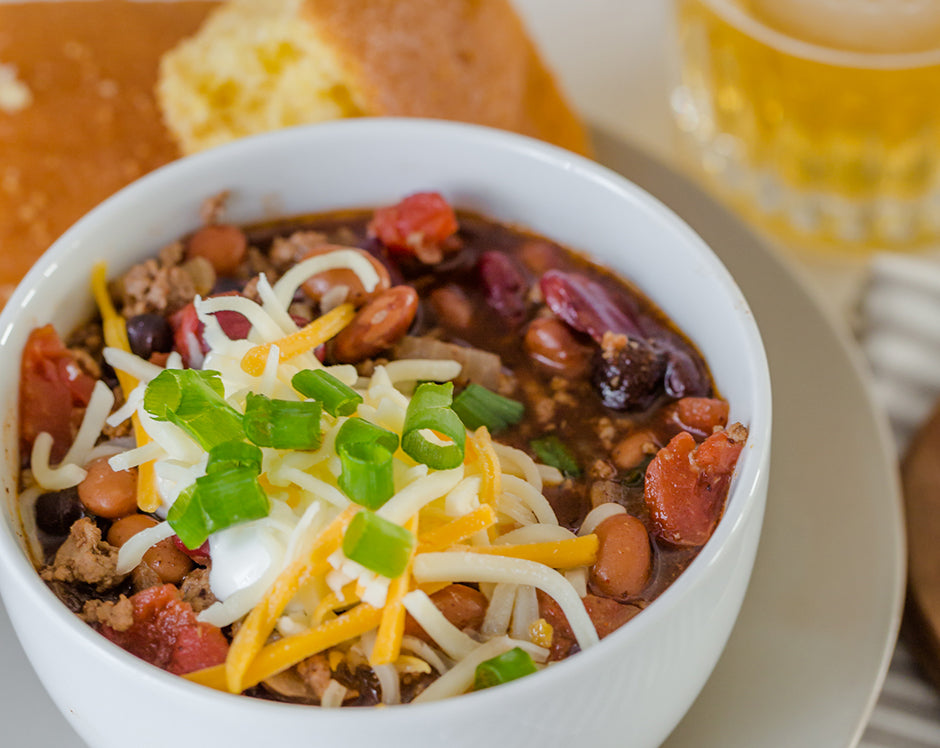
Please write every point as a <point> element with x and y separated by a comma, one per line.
<point>745,22</point>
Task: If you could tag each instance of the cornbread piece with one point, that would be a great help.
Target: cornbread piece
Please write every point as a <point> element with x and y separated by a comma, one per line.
<point>257,65</point>
<point>78,118</point>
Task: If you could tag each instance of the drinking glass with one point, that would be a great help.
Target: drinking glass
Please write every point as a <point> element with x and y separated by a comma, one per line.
<point>820,119</point>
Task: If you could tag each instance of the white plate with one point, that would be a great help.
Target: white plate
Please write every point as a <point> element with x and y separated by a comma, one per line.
<point>810,650</point>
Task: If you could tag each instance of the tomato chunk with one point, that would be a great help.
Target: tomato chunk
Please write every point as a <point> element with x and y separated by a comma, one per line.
<point>165,633</point>
<point>52,387</point>
<point>418,226</point>
<point>686,485</point>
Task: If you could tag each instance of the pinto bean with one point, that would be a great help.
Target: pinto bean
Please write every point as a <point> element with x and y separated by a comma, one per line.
<point>624,557</point>
<point>108,493</point>
<point>463,606</point>
<point>608,615</point>
<point>163,558</point>
<point>633,449</point>
<point>222,244</point>
<point>377,326</point>
<point>124,529</point>
<point>170,563</point>
<point>317,286</point>
<point>452,306</point>
<point>551,343</point>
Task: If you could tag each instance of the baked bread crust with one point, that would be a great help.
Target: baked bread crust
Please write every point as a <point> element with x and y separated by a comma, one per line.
<point>468,60</point>
<point>90,123</point>
<point>256,65</point>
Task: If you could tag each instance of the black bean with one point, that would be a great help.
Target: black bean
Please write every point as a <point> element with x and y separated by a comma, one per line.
<point>629,377</point>
<point>57,511</point>
<point>149,334</point>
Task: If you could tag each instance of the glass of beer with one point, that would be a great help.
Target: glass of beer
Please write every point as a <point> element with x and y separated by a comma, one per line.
<point>820,119</point>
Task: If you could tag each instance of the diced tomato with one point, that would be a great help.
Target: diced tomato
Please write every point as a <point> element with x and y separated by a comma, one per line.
<point>165,633</point>
<point>686,485</point>
<point>187,336</point>
<point>52,387</point>
<point>200,555</point>
<point>418,226</point>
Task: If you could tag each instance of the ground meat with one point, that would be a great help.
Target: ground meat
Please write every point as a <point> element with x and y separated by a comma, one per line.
<point>85,557</point>
<point>196,590</point>
<point>144,577</point>
<point>213,207</point>
<point>256,262</point>
<point>118,614</point>
<point>316,673</point>
<point>604,491</point>
<point>152,287</point>
<point>285,253</point>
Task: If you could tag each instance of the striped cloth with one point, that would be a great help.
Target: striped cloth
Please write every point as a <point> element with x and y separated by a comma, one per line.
<point>898,328</point>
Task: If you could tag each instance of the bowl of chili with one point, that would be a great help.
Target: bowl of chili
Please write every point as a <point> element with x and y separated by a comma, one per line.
<point>469,246</point>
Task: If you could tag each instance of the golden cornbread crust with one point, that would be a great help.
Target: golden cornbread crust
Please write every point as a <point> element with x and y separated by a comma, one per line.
<point>256,65</point>
<point>468,60</point>
<point>87,122</point>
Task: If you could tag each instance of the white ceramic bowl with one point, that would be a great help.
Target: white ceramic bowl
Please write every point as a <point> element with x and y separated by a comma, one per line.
<point>636,684</point>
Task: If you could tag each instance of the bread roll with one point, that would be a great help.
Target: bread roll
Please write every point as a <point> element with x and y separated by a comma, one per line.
<point>257,65</point>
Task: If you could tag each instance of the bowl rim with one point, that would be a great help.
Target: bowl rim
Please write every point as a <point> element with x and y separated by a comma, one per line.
<point>747,480</point>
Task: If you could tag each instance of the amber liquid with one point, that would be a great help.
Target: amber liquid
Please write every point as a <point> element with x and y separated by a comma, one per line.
<point>834,149</point>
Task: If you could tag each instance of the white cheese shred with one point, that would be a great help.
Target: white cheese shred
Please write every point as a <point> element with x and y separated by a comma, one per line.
<point>407,502</point>
<point>133,550</point>
<point>131,364</point>
<point>454,642</point>
<point>473,567</point>
<point>333,695</point>
<point>459,678</point>
<point>52,478</point>
<point>349,259</point>
<point>99,406</point>
<point>598,514</point>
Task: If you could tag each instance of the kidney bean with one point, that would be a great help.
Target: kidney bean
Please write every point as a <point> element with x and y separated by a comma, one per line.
<point>633,449</point>
<point>585,305</point>
<point>108,493</point>
<point>452,306</point>
<point>223,245</point>
<point>624,557</point>
<point>166,560</point>
<point>505,286</point>
<point>148,334</point>
<point>377,326</point>
<point>551,343</point>
<point>318,285</point>
<point>463,606</point>
<point>57,511</point>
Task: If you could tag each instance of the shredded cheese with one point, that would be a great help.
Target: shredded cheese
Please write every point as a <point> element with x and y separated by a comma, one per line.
<point>306,339</point>
<point>558,554</point>
<point>263,617</point>
<point>477,567</point>
<point>392,627</point>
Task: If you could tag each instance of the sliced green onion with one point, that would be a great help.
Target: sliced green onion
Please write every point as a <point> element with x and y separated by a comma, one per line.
<point>282,424</point>
<point>478,406</point>
<point>365,452</point>
<point>234,454</point>
<point>360,430</point>
<point>503,668</point>
<point>430,409</point>
<point>216,501</point>
<point>367,476</point>
<point>552,452</point>
<point>337,398</point>
<point>193,399</point>
<point>378,544</point>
